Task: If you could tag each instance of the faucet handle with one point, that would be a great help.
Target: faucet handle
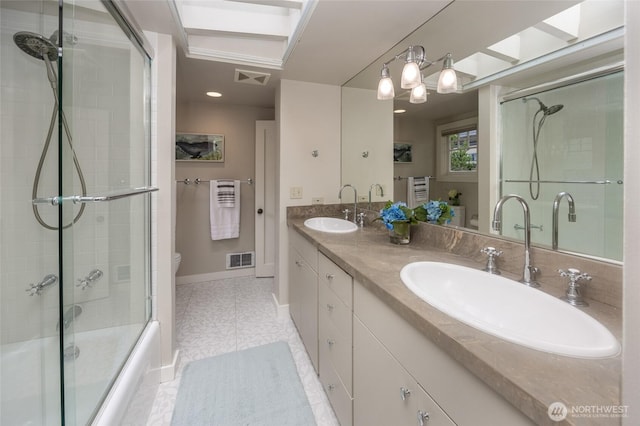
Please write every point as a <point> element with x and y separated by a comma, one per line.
<point>346,213</point>
<point>491,251</point>
<point>574,275</point>
<point>491,266</point>
<point>361,217</point>
<point>573,295</point>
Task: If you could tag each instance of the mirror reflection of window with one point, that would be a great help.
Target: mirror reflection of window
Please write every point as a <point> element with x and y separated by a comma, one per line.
<point>457,151</point>
<point>463,150</point>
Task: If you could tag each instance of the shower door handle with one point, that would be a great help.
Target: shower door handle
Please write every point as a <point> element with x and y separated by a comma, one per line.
<point>79,199</point>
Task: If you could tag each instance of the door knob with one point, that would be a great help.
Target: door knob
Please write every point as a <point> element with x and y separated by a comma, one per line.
<point>260,211</point>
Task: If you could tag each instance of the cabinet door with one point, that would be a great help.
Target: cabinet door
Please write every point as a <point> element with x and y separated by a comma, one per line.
<point>385,393</point>
<point>295,296</point>
<point>303,302</point>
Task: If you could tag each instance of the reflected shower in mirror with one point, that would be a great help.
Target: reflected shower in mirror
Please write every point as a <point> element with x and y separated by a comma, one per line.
<point>578,151</point>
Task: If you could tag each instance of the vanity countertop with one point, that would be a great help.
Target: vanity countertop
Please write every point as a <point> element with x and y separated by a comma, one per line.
<point>530,380</point>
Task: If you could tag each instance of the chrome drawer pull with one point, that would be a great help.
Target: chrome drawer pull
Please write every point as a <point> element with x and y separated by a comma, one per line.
<point>404,393</point>
<point>423,416</point>
<point>330,277</point>
<point>331,342</point>
<point>330,307</point>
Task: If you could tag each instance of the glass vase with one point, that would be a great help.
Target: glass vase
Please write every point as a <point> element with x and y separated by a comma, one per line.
<point>401,233</point>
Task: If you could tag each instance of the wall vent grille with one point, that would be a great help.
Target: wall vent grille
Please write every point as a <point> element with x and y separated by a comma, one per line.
<point>241,260</point>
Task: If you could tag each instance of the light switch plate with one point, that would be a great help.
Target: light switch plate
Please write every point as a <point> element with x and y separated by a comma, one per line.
<point>295,192</point>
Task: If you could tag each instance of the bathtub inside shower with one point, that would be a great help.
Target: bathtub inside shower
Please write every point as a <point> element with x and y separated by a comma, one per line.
<point>31,385</point>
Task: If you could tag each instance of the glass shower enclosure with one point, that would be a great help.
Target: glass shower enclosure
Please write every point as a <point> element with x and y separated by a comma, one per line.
<point>75,206</point>
<point>564,146</point>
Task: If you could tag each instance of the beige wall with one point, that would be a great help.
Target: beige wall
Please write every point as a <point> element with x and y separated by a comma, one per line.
<point>420,133</point>
<point>201,256</point>
<point>367,126</point>
<point>308,117</point>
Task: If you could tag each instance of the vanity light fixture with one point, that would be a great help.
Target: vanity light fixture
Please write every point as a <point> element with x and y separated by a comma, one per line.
<point>415,62</point>
<point>419,93</point>
<point>448,80</point>
<point>214,94</point>
<point>385,85</point>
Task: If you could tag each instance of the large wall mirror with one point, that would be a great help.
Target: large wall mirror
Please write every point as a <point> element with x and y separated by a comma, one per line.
<point>538,112</point>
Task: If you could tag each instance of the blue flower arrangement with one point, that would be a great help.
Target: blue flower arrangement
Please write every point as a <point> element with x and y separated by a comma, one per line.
<point>396,213</point>
<point>434,212</point>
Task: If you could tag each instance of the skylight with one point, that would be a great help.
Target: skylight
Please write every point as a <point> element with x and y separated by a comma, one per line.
<point>581,22</point>
<point>249,32</point>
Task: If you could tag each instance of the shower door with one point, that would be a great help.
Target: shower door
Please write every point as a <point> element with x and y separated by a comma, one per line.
<point>105,254</point>
<point>75,206</point>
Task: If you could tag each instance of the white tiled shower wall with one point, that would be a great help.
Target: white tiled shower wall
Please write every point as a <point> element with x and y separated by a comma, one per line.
<point>108,235</point>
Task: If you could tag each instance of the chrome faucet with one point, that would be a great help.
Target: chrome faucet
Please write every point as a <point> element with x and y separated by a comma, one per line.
<point>556,206</point>
<point>355,200</point>
<point>376,186</point>
<point>529,271</point>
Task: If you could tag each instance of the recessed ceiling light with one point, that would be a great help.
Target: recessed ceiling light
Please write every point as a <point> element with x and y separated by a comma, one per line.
<point>399,111</point>
<point>214,94</point>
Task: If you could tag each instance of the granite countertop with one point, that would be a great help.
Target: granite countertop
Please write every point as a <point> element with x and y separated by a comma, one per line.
<point>530,380</point>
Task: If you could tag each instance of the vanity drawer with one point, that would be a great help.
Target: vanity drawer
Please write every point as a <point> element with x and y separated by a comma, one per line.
<point>335,310</point>
<point>340,399</point>
<point>336,350</point>
<point>336,279</point>
<point>307,250</point>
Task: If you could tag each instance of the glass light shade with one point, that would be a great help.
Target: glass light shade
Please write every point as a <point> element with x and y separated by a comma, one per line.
<point>385,89</point>
<point>410,76</point>
<point>418,94</point>
<point>448,81</point>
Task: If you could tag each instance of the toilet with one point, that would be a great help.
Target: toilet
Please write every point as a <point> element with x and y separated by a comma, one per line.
<point>177,258</point>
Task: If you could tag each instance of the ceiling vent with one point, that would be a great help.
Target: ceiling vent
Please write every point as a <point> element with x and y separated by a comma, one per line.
<point>252,77</point>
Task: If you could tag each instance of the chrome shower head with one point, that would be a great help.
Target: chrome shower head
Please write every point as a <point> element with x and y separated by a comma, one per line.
<point>545,109</point>
<point>35,45</point>
<point>553,109</point>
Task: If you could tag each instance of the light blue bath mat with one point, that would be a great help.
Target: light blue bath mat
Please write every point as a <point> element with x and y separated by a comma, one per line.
<point>257,386</point>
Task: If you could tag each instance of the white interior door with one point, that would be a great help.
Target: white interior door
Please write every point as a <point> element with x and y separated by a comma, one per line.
<point>265,198</point>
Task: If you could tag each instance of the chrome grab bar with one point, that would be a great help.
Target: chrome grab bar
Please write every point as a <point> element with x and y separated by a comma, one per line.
<point>54,201</point>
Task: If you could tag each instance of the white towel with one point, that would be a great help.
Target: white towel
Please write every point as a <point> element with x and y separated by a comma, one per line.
<point>226,193</point>
<point>417,191</point>
<point>225,221</point>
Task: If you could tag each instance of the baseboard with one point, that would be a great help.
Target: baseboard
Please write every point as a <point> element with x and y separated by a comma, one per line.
<point>168,372</point>
<point>282,311</point>
<point>212,276</point>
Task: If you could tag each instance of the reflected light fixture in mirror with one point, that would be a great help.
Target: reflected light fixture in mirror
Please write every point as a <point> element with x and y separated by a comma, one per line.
<point>419,94</point>
<point>448,80</point>
<point>385,86</point>
<point>415,62</point>
<point>411,70</point>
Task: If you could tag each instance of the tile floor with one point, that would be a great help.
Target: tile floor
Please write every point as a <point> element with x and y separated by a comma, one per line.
<point>228,315</point>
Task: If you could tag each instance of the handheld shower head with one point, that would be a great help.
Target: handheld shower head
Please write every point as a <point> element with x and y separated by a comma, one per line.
<point>545,109</point>
<point>553,109</point>
<point>36,45</point>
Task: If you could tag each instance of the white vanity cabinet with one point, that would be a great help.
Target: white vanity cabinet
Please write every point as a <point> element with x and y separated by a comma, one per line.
<point>335,337</point>
<point>389,354</point>
<point>303,292</point>
<point>386,394</point>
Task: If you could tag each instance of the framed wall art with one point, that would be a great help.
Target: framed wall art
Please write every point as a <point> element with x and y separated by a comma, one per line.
<point>402,152</point>
<point>199,147</point>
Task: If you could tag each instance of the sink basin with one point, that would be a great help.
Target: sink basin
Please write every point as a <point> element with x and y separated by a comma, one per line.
<point>330,224</point>
<point>509,310</point>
